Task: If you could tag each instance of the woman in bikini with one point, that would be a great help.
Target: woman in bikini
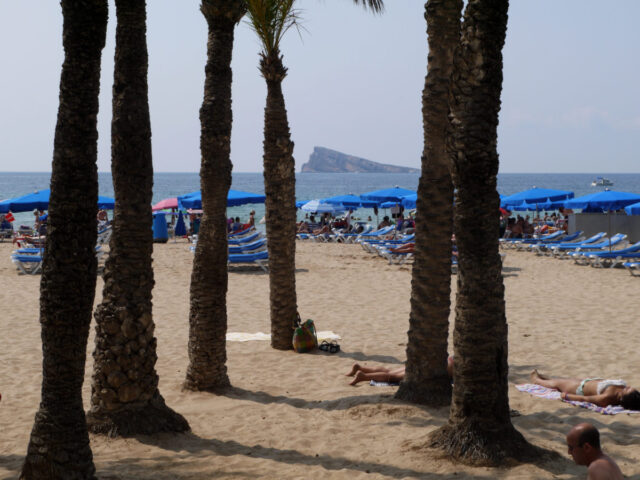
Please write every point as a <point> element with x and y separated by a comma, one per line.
<point>602,392</point>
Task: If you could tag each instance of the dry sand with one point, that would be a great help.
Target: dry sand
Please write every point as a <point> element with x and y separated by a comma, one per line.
<point>295,416</point>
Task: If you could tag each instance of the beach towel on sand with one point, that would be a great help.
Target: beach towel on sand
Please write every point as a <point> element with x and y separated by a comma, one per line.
<point>373,383</point>
<point>543,392</point>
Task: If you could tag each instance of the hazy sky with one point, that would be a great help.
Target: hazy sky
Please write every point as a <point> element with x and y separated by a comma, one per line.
<point>570,101</point>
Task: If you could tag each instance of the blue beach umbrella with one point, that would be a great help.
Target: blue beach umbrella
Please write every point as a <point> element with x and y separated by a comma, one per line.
<point>410,201</point>
<point>534,195</point>
<point>394,194</point>
<point>40,200</point>
<point>633,209</point>
<point>350,201</point>
<point>606,200</point>
<point>318,206</point>
<point>234,198</point>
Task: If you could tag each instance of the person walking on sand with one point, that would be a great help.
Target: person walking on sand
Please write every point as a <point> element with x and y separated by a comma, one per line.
<point>583,443</point>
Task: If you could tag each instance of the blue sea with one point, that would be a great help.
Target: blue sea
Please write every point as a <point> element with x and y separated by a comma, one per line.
<point>319,185</point>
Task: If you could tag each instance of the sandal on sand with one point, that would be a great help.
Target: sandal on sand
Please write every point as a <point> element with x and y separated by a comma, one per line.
<point>331,347</point>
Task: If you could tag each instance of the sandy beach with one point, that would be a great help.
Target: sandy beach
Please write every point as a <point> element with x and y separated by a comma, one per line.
<point>294,416</point>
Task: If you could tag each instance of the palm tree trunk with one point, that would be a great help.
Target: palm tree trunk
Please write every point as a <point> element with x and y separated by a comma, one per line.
<point>279,184</point>
<point>208,314</point>
<point>426,380</point>
<point>479,430</point>
<point>124,396</point>
<point>59,444</point>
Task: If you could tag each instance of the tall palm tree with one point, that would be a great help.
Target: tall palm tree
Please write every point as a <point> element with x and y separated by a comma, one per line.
<point>479,429</point>
<point>271,19</point>
<point>59,444</point>
<point>125,399</point>
<point>426,380</point>
<point>208,312</point>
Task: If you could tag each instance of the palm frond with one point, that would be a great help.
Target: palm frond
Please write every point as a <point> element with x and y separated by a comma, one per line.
<point>271,19</point>
<point>376,6</point>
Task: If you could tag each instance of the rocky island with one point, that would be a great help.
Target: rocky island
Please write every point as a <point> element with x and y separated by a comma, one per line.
<point>325,160</point>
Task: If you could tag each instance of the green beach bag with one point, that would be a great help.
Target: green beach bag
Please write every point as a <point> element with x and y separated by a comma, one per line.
<point>304,335</point>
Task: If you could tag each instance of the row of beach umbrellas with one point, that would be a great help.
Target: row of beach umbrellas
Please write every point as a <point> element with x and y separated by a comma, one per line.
<point>532,199</point>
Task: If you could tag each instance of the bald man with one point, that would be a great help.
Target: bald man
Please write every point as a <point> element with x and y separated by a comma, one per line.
<point>583,442</point>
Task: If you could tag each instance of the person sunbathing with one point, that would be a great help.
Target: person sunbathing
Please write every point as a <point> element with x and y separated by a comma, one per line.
<point>404,248</point>
<point>384,374</point>
<point>600,391</point>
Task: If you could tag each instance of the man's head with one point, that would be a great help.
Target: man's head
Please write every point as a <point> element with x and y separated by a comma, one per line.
<point>583,443</point>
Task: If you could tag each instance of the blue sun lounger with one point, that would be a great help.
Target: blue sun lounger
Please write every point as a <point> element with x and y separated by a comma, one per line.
<point>260,258</point>
<point>27,264</point>
<point>246,239</point>
<point>563,249</point>
<point>607,258</point>
<point>633,266</point>
<point>261,243</point>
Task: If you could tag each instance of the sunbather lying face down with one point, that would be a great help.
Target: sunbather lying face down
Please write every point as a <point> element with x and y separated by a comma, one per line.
<point>600,391</point>
<point>384,374</point>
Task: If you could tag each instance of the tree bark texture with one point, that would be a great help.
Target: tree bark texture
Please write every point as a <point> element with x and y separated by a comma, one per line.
<point>479,430</point>
<point>125,399</point>
<point>426,380</point>
<point>207,368</point>
<point>59,444</point>
<point>280,184</point>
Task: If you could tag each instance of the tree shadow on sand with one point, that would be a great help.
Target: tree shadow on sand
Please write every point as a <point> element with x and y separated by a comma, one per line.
<point>189,444</point>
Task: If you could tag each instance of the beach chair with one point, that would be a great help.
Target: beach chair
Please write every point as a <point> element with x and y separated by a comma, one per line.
<point>350,237</point>
<point>398,258</point>
<point>242,233</point>
<point>104,235</point>
<point>542,244</point>
<point>575,237</point>
<point>633,267</point>
<point>376,234</point>
<point>526,242</point>
<point>607,258</point>
<point>260,258</point>
<point>28,251</point>
<point>252,247</point>
<point>27,264</point>
<point>563,250</point>
<point>245,239</point>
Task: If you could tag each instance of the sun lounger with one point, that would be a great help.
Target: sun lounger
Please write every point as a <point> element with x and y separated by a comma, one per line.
<point>376,233</point>
<point>242,233</point>
<point>259,244</point>
<point>260,258</point>
<point>633,267</point>
<point>350,237</point>
<point>525,242</point>
<point>544,248</point>
<point>246,239</point>
<point>606,257</point>
<point>544,244</point>
<point>27,264</point>
<point>564,249</point>
<point>398,258</point>
<point>104,235</point>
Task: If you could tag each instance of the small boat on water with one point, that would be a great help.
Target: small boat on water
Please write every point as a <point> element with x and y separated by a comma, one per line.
<point>601,182</point>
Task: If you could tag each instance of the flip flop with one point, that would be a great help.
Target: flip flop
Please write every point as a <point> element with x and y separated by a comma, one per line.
<point>324,346</point>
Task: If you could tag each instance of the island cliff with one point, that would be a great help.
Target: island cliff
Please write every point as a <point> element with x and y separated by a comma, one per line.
<point>324,160</point>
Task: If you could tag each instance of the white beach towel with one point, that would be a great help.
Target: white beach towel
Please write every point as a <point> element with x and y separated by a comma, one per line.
<point>245,337</point>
